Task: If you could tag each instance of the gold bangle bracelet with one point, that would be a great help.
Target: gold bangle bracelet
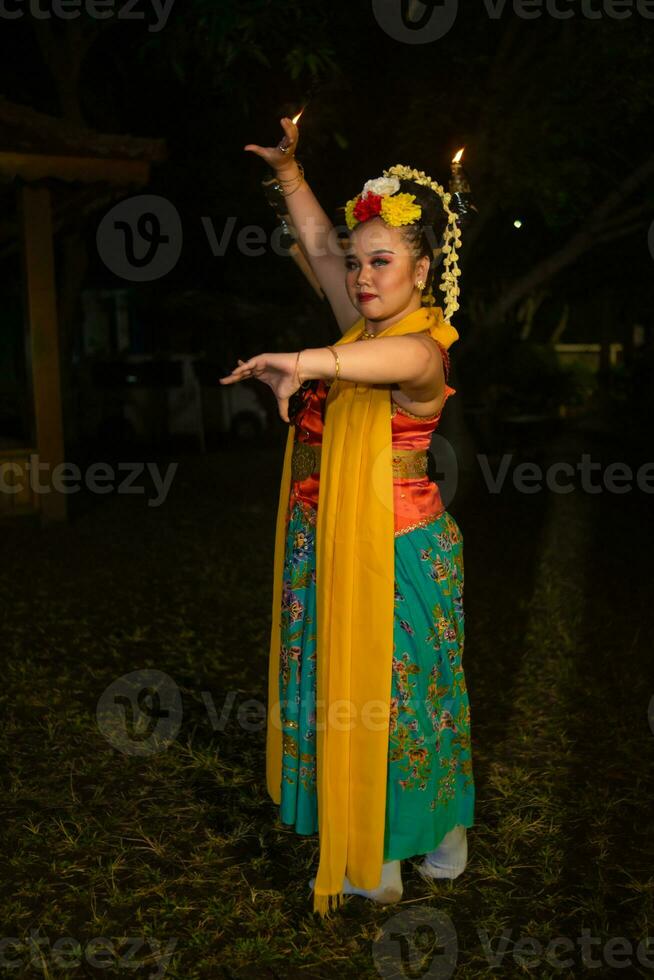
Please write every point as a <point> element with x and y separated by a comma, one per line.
<point>289,180</point>
<point>282,182</point>
<point>288,193</point>
<point>297,362</point>
<point>338,364</point>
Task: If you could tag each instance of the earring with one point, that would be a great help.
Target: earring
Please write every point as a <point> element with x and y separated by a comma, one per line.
<point>420,284</point>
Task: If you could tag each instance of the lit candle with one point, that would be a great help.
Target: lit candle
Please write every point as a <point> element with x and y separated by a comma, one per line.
<point>457,166</point>
<point>286,141</point>
<point>461,202</point>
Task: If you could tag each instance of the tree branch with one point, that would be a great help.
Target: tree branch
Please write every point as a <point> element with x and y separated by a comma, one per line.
<point>621,232</point>
<point>621,193</point>
<point>597,230</point>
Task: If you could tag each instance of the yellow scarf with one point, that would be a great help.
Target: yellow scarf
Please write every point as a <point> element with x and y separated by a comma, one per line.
<point>355,575</point>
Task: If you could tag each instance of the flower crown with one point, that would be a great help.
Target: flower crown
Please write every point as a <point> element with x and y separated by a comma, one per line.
<point>380,197</point>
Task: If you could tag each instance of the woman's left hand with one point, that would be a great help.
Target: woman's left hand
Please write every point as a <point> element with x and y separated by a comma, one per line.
<point>276,370</point>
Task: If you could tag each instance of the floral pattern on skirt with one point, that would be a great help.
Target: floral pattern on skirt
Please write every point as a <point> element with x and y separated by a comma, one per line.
<point>430,787</point>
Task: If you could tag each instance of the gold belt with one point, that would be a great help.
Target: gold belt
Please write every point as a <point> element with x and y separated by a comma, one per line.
<point>407,463</point>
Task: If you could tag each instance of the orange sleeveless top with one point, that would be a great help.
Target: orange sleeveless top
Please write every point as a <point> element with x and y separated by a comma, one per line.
<point>416,500</point>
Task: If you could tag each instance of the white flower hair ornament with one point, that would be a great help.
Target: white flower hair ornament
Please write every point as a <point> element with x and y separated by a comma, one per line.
<point>382,197</point>
<point>382,185</point>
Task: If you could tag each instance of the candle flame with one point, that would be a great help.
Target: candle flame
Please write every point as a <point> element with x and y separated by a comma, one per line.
<point>295,118</point>
<point>457,156</point>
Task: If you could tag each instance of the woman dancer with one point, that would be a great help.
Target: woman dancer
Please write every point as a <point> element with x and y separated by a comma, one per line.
<point>368,737</point>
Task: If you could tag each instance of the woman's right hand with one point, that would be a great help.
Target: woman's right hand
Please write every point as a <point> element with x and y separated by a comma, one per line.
<point>278,371</point>
<point>273,154</point>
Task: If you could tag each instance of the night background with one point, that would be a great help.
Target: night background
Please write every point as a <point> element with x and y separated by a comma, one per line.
<point>102,362</point>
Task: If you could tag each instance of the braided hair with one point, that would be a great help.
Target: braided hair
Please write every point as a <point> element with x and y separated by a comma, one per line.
<point>425,238</point>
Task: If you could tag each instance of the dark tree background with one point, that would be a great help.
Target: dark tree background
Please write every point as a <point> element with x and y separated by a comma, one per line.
<point>555,116</point>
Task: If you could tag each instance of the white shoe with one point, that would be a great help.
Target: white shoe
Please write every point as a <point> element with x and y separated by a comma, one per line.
<point>389,890</point>
<point>450,858</point>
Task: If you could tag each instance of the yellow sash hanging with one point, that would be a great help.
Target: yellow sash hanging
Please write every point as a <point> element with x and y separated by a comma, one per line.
<point>355,573</point>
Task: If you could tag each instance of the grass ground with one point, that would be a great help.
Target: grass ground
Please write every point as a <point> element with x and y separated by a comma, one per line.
<point>177,857</point>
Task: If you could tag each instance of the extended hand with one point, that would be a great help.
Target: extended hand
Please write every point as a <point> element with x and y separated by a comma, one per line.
<point>272,154</point>
<point>276,370</point>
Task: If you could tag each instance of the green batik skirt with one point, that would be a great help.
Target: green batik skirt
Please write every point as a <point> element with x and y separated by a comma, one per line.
<point>430,786</point>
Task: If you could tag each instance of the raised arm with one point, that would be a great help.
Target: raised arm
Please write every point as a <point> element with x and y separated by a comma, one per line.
<point>314,229</point>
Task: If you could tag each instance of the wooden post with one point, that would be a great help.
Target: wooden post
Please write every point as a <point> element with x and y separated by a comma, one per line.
<point>40,309</point>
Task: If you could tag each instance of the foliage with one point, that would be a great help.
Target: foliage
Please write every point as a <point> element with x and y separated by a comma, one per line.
<point>220,45</point>
<point>529,376</point>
